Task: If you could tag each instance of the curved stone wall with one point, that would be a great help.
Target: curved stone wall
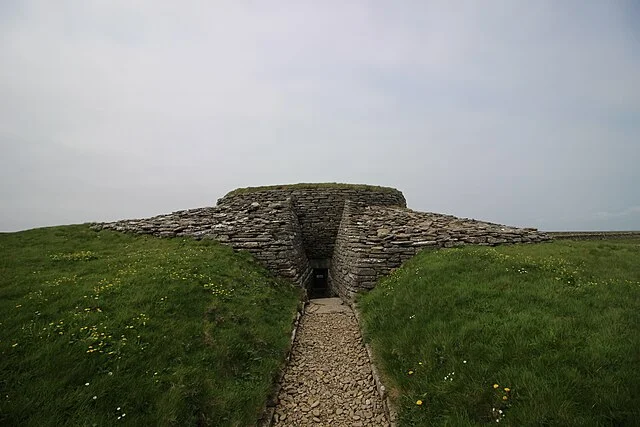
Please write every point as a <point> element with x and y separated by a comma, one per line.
<point>359,233</point>
<point>318,209</point>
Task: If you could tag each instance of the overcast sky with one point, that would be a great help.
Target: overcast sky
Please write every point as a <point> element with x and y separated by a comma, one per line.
<point>523,113</point>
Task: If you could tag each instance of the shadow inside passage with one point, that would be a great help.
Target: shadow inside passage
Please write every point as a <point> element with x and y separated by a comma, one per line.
<point>320,284</point>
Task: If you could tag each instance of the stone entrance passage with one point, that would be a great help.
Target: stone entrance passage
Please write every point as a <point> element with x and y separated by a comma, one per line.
<point>329,381</point>
<point>320,283</point>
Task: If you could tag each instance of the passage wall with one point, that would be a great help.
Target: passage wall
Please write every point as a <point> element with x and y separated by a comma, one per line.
<point>318,210</point>
<point>373,240</point>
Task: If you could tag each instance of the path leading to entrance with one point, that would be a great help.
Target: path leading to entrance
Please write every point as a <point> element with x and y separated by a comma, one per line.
<point>329,381</point>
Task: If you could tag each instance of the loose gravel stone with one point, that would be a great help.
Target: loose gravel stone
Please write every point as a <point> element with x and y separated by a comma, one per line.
<point>329,380</point>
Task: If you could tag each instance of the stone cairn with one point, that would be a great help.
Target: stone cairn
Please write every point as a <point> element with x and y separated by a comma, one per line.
<point>359,233</point>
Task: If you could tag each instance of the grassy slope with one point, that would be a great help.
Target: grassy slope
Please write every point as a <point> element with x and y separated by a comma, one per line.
<point>558,324</point>
<point>94,326</point>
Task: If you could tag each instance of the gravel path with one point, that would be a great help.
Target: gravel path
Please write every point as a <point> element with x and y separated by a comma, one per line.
<point>328,381</point>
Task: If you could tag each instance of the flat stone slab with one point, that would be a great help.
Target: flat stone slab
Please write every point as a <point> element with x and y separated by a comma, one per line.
<point>327,305</point>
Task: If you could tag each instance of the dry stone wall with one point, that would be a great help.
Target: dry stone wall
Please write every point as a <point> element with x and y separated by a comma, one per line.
<point>269,230</point>
<point>373,240</point>
<point>359,233</point>
<point>319,211</point>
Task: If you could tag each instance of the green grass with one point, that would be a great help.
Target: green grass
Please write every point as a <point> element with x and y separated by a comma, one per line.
<point>94,326</point>
<point>558,324</point>
<point>312,186</point>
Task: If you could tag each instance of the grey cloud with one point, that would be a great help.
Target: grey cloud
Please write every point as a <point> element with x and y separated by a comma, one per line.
<point>632,210</point>
<point>525,113</point>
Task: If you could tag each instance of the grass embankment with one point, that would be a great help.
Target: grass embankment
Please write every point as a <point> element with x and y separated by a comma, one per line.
<point>525,335</point>
<point>106,328</point>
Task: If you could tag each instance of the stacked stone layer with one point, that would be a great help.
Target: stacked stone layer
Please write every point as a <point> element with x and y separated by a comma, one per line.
<point>373,240</point>
<point>360,234</point>
<point>319,212</point>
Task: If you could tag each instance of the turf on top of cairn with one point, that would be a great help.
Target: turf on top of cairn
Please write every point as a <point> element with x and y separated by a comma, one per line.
<point>312,186</point>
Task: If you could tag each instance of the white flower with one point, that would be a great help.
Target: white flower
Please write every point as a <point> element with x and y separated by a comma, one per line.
<point>95,397</point>
<point>86,383</point>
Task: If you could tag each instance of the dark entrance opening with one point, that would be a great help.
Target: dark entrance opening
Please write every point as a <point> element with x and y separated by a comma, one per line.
<point>320,283</point>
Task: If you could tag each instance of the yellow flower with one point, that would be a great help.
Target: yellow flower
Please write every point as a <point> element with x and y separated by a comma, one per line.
<point>496,386</point>
<point>507,389</point>
<point>410,372</point>
<point>504,397</point>
<point>419,402</point>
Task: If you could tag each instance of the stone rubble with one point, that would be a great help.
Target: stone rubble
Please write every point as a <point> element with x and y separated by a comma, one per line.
<point>329,380</point>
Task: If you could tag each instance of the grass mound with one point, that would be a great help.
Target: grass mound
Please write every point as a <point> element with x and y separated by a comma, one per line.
<point>105,328</point>
<point>519,335</point>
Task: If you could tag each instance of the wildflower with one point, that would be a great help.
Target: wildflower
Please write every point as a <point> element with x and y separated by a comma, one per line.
<point>410,372</point>
<point>419,402</point>
<point>464,361</point>
<point>504,397</point>
<point>95,397</point>
<point>86,384</point>
<point>496,386</point>
<point>15,345</point>
<point>507,389</point>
